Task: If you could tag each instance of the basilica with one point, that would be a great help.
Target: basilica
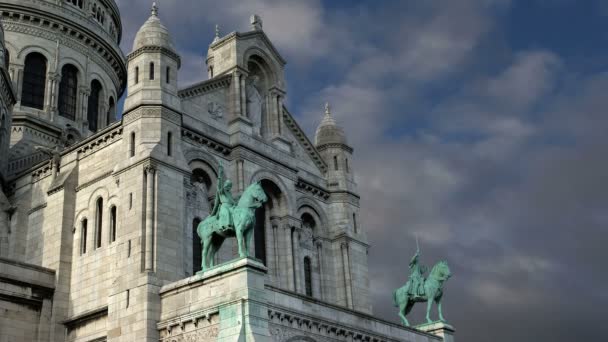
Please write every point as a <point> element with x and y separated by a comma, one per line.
<point>99,209</point>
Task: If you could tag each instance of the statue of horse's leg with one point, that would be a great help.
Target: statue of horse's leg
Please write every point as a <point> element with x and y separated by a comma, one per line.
<point>402,308</point>
<point>240,241</point>
<point>438,301</point>
<point>408,308</point>
<point>205,252</point>
<point>248,235</point>
<point>429,305</point>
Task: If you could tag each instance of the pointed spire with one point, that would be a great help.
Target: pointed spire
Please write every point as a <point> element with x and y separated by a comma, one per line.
<point>327,109</point>
<point>217,33</point>
<point>154,9</point>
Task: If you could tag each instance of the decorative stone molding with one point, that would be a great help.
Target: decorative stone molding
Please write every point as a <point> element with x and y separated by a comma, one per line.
<point>312,189</point>
<point>36,208</point>
<point>199,139</point>
<point>93,181</point>
<point>99,142</point>
<point>155,49</point>
<point>334,145</point>
<point>205,87</point>
<point>304,141</point>
<point>152,112</point>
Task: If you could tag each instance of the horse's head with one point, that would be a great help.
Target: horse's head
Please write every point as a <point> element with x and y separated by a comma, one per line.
<point>441,271</point>
<point>254,195</point>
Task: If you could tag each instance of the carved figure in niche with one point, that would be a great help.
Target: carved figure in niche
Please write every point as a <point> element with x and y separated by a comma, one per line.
<point>255,103</point>
<point>215,110</point>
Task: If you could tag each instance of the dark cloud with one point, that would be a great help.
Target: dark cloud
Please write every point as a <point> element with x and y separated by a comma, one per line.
<point>493,156</point>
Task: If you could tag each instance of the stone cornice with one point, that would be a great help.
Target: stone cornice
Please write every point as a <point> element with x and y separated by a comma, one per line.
<point>156,49</point>
<point>304,141</point>
<point>151,111</point>
<point>224,40</point>
<point>200,138</point>
<point>300,323</point>
<point>93,181</point>
<point>85,317</point>
<point>99,142</point>
<point>324,147</point>
<point>310,188</point>
<point>50,26</point>
<point>205,86</point>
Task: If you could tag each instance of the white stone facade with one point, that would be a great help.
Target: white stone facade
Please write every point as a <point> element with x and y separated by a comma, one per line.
<point>112,214</point>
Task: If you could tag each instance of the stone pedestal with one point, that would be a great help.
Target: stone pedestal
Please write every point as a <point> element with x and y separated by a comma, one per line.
<point>225,303</point>
<point>441,329</point>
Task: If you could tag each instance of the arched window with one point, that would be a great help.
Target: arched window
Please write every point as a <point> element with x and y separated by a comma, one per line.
<point>93,109</point>
<point>34,81</point>
<point>307,277</point>
<point>336,163</point>
<point>111,112</point>
<point>152,71</point>
<point>83,237</point>
<point>98,222</point>
<point>112,224</point>
<point>168,76</point>
<point>136,75</point>
<point>169,143</point>
<point>197,257</point>
<point>346,164</point>
<point>355,222</point>
<point>68,91</point>
<point>132,145</point>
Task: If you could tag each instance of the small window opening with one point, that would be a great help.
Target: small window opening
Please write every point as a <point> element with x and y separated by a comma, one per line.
<point>99,223</point>
<point>169,143</point>
<point>83,237</point>
<point>336,163</point>
<point>308,276</point>
<point>113,224</point>
<point>132,145</point>
<point>151,71</point>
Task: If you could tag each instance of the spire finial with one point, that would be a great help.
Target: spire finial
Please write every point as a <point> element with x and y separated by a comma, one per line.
<point>217,31</point>
<point>154,9</point>
<point>327,109</point>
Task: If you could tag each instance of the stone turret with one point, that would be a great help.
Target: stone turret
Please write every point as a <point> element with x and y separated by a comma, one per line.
<point>331,142</point>
<point>152,67</point>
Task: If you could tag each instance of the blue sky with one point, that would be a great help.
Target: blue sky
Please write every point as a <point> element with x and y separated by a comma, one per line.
<point>478,125</point>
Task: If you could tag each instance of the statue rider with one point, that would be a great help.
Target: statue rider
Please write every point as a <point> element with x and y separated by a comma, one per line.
<point>224,202</point>
<point>417,275</point>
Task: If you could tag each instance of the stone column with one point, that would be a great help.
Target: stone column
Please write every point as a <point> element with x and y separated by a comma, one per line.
<point>85,93</point>
<point>243,95</point>
<point>319,245</point>
<point>347,277</point>
<point>149,243</point>
<point>19,81</point>
<point>297,260</point>
<point>275,246</point>
<point>240,175</point>
<point>280,112</point>
<point>289,271</point>
<point>48,94</point>
<point>236,83</point>
<point>54,80</point>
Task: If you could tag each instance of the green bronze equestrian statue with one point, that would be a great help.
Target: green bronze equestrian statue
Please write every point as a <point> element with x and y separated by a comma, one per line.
<point>418,289</point>
<point>229,219</point>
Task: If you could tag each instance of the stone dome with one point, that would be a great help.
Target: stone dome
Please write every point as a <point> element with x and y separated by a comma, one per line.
<point>153,33</point>
<point>329,132</point>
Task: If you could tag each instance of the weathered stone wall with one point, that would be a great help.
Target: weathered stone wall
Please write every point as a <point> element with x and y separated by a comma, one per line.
<point>26,293</point>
